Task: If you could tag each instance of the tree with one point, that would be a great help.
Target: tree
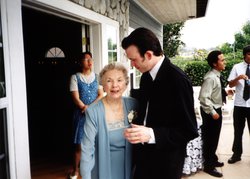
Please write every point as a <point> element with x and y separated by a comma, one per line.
<point>200,54</point>
<point>171,38</point>
<point>226,48</point>
<point>242,39</point>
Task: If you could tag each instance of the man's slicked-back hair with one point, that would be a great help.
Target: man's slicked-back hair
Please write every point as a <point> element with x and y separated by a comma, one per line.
<point>144,39</point>
<point>213,57</point>
<point>246,50</point>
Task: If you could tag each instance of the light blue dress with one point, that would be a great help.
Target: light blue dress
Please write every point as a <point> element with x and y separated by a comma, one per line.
<point>106,154</point>
<point>117,149</point>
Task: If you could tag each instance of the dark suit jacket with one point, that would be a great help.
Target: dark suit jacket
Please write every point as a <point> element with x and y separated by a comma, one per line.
<point>172,117</point>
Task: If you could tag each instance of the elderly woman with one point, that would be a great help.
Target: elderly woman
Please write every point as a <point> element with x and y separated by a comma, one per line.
<point>105,152</point>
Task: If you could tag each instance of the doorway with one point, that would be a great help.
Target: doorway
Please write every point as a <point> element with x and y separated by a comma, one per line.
<point>51,47</point>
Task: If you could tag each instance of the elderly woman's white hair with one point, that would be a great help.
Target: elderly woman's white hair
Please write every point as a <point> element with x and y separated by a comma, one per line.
<point>114,66</point>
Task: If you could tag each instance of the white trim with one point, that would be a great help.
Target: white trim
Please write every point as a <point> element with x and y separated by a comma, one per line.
<point>96,46</point>
<point>17,125</point>
<point>70,8</point>
<point>6,102</point>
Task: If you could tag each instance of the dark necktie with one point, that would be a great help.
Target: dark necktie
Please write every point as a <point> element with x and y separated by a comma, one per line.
<point>246,87</point>
<point>223,91</point>
<point>148,84</point>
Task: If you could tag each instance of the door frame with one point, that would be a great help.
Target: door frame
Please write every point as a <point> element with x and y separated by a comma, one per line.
<point>75,12</point>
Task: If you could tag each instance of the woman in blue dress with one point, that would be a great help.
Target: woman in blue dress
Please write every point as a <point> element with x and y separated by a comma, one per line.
<point>85,90</point>
<point>105,152</point>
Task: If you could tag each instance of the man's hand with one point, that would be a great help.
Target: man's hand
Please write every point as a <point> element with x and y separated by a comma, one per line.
<point>137,134</point>
<point>216,116</point>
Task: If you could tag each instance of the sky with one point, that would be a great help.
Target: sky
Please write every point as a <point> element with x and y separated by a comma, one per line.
<point>222,20</point>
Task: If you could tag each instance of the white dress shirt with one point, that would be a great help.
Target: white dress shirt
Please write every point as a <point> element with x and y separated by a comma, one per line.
<point>239,69</point>
<point>153,72</point>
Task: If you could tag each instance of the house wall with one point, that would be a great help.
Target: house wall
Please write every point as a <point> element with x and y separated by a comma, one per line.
<point>127,12</point>
<point>139,18</point>
<point>117,10</point>
<point>16,102</point>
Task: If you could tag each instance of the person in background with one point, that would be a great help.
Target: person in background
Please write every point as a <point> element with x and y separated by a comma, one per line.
<point>239,78</point>
<point>105,152</point>
<point>85,90</point>
<point>166,119</point>
<point>212,95</point>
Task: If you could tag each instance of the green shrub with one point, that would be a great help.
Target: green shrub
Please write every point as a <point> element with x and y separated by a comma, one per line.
<point>196,70</point>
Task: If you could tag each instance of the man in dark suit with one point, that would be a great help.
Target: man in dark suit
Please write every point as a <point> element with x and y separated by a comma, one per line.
<point>166,118</point>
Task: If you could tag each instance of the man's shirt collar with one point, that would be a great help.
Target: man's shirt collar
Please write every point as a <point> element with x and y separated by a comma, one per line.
<point>153,72</point>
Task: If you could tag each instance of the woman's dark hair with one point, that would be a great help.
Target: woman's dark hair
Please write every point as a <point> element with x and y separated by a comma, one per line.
<point>82,55</point>
<point>144,40</point>
<point>81,58</point>
<point>213,57</point>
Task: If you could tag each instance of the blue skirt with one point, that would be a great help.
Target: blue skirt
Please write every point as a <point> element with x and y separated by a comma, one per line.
<point>78,123</point>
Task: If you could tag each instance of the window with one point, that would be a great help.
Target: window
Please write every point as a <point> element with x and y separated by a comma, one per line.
<point>135,74</point>
<point>53,56</point>
<point>55,52</point>
<point>137,78</point>
<point>112,44</point>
